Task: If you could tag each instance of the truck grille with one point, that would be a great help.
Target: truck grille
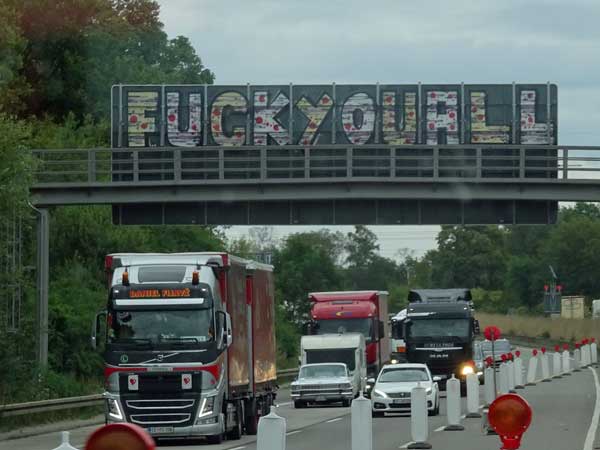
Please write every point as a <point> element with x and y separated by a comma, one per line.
<point>160,411</point>
<point>319,387</point>
<point>160,419</point>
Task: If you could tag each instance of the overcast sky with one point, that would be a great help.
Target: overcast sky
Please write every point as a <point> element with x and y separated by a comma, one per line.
<point>401,41</point>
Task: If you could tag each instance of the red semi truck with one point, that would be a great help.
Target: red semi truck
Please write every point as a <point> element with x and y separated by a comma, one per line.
<point>189,343</point>
<point>364,312</point>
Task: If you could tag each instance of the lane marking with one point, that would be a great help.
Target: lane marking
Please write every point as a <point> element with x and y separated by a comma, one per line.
<point>238,448</point>
<point>293,432</point>
<point>337,419</point>
<point>283,404</point>
<point>406,445</point>
<point>591,434</point>
<point>439,429</point>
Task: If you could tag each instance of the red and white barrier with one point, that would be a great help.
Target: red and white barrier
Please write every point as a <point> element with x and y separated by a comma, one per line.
<point>453,407</point>
<point>418,419</point>
<point>511,374</point>
<point>362,424</point>
<point>532,369</point>
<point>594,351</point>
<point>556,362</point>
<point>577,358</point>
<point>503,379</point>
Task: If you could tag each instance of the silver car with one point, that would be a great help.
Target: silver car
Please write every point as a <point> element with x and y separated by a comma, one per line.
<point>323,383</point>
<point>393,387</point>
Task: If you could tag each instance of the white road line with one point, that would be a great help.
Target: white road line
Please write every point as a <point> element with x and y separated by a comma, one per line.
<point>439,429</point>
<point>238,448</point>
<point>406,445</point>
<point>591,434</point>
<point>293,432</point>
<point>284,404</point>
<point>334,420</point>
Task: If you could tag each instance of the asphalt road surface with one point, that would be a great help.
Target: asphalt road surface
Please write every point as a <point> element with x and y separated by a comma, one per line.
<point>565,417</point>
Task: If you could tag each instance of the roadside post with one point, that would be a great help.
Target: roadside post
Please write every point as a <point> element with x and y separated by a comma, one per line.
<point>518,371</point>
<point>556,363</point>
<point>453,405</point>
<point>503,376</point>
<point>566,360</point>
<point>577,358</point>
<point>65,444</point>
<point>594,351</point>
<point>418,415</point>
<point>362,424</point>
<point>473,396</point>
<point>532,369</point>
<point>511,373</point>
<point>545,366</point>
<point>271,432</point>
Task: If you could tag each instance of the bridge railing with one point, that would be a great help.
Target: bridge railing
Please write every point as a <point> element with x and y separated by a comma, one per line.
<point>316,163</point>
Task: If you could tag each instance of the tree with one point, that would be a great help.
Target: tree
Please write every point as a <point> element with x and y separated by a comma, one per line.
<point>303,264</point>
<point>361,247</point>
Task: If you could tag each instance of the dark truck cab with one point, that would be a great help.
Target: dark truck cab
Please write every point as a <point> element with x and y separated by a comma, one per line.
<point>439,330</point>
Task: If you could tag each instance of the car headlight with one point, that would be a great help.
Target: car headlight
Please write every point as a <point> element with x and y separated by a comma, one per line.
<point>114,411</point>
<point>466,370</point>
<point>378,393</point>
<point>346,386</point>
<point>206,408</point>
<point>394,361</point>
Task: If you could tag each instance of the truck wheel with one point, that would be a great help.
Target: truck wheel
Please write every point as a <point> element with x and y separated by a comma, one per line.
<point>252,420</point>
<point>236,432</point>
<point>299,404</point>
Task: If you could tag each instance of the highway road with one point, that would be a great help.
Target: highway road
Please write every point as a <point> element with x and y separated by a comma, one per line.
<point>565,414</point>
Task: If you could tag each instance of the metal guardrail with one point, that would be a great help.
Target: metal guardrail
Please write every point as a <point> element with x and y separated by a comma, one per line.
<point>56,404</point>
<point>277,164</point>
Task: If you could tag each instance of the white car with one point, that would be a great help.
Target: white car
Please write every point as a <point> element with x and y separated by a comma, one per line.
<point>392,389</point>
<point>324,383</point>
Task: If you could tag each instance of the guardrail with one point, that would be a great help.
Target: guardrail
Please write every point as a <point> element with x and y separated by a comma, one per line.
<point>56,404</point>
<point>247,165</point>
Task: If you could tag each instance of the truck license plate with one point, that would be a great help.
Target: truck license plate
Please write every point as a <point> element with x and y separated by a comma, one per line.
<point>160,430</point>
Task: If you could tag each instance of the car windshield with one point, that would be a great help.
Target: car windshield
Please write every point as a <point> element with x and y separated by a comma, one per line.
<point>155,327</point>
<point>323,371</point>
<point>424,328</point>
<point>403,375</point>
<point>362,326</point>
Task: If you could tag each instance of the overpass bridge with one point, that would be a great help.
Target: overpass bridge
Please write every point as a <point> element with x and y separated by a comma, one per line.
<point>324,185</point>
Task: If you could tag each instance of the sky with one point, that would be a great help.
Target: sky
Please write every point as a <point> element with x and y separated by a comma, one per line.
<point>400,41</point>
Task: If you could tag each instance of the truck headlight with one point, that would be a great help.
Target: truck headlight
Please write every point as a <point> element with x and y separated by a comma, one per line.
<point>394,361</point>
<point>114,411</point>
<point>466,370</point>
<point>206,407</point>
<point>378,393</point>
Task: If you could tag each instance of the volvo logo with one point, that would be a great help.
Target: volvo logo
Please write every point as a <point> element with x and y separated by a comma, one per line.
<point>124,358</point>
<point>160,357</point>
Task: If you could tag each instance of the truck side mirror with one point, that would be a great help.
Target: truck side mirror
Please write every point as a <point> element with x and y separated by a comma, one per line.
<point>228,330</point>
<point>381,330</point>
<point>224,335</point>
<point>96,327</point>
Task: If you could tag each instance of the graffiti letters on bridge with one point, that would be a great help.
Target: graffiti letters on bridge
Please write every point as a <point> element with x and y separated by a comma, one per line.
<point>199,115</point>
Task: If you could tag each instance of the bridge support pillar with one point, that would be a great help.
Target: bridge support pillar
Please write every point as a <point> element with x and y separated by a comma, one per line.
<point>43,250</point>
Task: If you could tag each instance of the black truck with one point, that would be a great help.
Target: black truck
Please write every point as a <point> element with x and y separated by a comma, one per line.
<point>439,329</point>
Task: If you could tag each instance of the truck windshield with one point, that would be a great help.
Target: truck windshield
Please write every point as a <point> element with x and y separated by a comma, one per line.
<point>341,355</point>
<point>428,328</point>
<point>322,371</point>
<point>161,327</point>
<point>362,326</point>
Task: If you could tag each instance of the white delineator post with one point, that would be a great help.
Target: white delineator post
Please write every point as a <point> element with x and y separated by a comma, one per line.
<point>489,387</point>
<point>453,405</point>
<point>503,379</point>
<point>511,376</point>
<point>532,369</point>
<point>271,432</point>
<point>545,366</point>
<point>362,424</point>
<point>519,372</point>
<point>473,396</point>
<point>65,445</point>
<point>556,362</point>
<point>587,359</point>
<point>577,359</point>
<point>594,351</point>
<point>418,418</point>
<point>566,361</point>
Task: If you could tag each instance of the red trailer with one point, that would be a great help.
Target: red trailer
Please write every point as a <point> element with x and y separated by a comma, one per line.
<point>363,312</point>
<point>190,343</point>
